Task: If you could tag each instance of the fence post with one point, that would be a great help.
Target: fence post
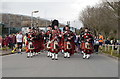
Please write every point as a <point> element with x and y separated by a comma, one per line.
<point>112,50</point>
<point>108,47</point>
<point>118,49</point>
<point>105,47</point>
<point>112,47</point>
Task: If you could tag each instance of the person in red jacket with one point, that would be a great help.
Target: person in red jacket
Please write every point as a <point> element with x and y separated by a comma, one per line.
<point>6,42</point>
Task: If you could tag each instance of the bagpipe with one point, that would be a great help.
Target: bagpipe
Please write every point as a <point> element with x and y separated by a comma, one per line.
<point>48,44</point>
<point>51,41</point>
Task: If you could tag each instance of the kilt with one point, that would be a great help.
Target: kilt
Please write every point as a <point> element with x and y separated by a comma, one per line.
<point>87,47</point>
<point>54,47</point>
<point>38,45</point>
<point>67,46</point>
<point>29,47</point>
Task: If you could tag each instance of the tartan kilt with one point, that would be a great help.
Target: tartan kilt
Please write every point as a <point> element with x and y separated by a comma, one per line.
<point>87,47</point>
<point>38,45</point>
<point>67,46</point>
<point>54,47</point>
<point>29,48</point>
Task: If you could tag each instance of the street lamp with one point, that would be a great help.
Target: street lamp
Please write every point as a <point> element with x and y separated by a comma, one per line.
<point>32,17</point>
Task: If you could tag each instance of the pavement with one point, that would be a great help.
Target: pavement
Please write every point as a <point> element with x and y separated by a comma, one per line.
<point>18,65</point>
<point>4,52</point>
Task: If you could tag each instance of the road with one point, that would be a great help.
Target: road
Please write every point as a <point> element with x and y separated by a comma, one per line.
<point>98,65</point>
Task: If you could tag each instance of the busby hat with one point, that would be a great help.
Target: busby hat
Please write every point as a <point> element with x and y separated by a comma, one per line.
<point>55,23</point>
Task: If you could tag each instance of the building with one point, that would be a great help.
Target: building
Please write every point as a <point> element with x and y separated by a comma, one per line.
<point>13,23</point>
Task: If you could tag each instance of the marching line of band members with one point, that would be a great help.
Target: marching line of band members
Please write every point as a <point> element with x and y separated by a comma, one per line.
<point>55,41</point>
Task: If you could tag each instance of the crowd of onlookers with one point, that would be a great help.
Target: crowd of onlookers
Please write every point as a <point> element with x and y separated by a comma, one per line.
<point>8,41</point>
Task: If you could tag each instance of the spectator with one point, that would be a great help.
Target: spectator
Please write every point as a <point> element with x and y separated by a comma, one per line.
<point>10,42</point>
<point>118,43</point>
<point>77,43</point>
<point>6,42</point>
<point>0,41</point>
<point>19,39</point>
<point>115,44</point>
<point>13,41</point>
<point>96,44</point>
<point>107,41</point>
<point>101,39</point>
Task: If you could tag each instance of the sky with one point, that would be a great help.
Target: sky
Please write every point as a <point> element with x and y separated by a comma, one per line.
<point>62,10</point>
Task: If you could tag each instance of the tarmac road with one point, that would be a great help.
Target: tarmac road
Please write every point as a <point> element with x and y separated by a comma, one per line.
<point>17,65</point>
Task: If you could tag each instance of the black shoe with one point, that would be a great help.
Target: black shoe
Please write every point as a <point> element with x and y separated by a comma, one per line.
<point>48,56</point>
<point>28,57</point>
<point>52,58</point>
<point>68,57</point>
<point>56,59</point>
<point>33,55</point>
<point>65,57</point>
<point>83,58</point>
<point>88,58</point>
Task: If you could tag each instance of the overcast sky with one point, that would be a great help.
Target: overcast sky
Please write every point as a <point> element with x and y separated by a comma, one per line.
<point>63,10</point>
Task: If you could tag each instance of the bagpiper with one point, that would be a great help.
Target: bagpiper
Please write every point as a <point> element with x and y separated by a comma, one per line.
<point>48,38</point>
<point>29,44</point>
<point>37,42</point>
<point>54,46</point>
<point>69,44</point>
<point>86,43</point>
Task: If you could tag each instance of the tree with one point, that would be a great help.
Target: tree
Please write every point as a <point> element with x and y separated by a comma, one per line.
<point>100,18</point>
